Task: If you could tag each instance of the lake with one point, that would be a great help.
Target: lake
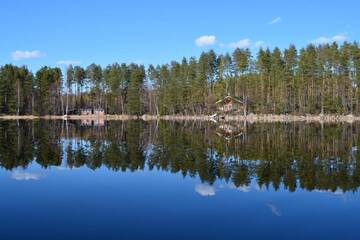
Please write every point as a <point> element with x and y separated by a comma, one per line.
<point>178,180</point>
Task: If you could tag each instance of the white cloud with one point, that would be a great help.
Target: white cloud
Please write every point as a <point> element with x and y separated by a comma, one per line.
<point>18,175</point>
<point>205,40</point>
<point>19,55</point>
<point>138,61</point>
<point>275,20</point>
<point>324,40</point>
<point>339,38</point>
<point>205,190</point>
<point>243,43</point>
<point>259,44</point>
<point>68,62</point>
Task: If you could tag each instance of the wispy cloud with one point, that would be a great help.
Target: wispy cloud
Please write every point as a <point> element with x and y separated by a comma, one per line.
<point>25,176</point>
<point>206,40</point>
<point>243,43</point>
<point>20,55</point>
<point>205,190</point>
<point>324,40</point>
<point>259,44</point>
<point>68,62</point>
<point>275,20</point>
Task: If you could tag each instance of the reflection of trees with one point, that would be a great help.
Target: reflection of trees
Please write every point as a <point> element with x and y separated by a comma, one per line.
<point>47,144</point>
<point>293,155</point>
<point>16,148</point>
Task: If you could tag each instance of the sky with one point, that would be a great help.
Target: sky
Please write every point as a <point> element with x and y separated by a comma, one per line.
<point>59,32</point>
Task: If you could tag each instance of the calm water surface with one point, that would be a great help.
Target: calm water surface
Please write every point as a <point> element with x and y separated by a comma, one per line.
<point>178,180</point>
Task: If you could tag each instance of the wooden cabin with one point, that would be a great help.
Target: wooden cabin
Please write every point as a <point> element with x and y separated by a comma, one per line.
<point>231,105</point>
<point>86,111</point>
<point>99,112</point>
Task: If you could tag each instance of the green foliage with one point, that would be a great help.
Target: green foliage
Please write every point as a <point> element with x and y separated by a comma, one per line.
<point>311,80</point>
<point>135,91</point>
<point>47,83</point>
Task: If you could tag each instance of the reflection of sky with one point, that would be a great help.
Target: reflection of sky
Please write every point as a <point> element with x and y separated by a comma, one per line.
<point>159,204</point>
<point>274,209</point>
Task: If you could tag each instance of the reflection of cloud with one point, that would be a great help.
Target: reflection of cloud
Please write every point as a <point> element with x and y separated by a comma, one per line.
<point>337,192</point>
<point>61,168</point>
<point>18,175</point>
<point>274,209</point>
<point>205,190</point>
<point>242,188</point>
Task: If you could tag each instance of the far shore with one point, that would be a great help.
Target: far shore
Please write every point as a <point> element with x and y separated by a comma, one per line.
<point>250,118</point>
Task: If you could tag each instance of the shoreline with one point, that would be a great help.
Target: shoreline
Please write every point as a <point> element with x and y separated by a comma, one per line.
<point>250,118</point>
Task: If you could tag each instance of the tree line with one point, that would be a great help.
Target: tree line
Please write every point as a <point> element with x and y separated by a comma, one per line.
<point>322,79</point>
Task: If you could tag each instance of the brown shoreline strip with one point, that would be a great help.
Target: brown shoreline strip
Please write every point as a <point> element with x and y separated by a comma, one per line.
<point>250,118</point>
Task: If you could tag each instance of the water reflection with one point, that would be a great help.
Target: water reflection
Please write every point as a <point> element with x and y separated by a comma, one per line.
<point>307,156</point>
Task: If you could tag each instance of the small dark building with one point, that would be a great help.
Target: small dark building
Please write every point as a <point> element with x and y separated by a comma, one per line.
<point>86,111</point>
<point>99,112</point>
<point>96,112</point>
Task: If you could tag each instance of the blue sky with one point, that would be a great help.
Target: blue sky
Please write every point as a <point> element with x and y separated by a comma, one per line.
<point>57,32</point>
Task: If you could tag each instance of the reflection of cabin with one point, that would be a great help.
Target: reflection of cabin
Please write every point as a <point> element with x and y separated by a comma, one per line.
<point>86,122</point>
<point>91,122</point>
<point>229,131</point>
<point>230,104</point>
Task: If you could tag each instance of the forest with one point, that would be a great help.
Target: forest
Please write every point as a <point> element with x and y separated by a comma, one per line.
<point>316,79</point>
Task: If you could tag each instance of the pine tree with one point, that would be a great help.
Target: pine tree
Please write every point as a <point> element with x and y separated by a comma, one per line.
<point>135,103</point>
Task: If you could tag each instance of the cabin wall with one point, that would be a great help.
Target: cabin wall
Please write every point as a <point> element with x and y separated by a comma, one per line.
<point>86,112</point>
<point>231,107</point>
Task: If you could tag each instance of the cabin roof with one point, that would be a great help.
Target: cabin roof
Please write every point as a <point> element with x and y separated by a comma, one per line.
<point>235,99</point>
